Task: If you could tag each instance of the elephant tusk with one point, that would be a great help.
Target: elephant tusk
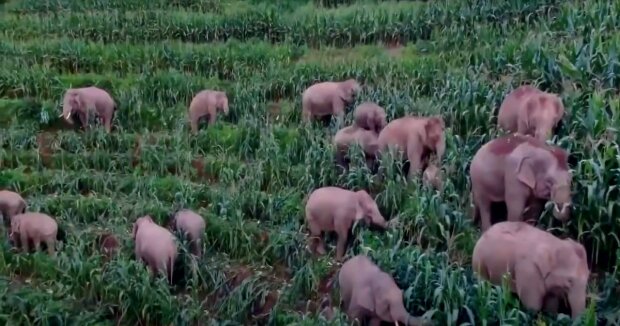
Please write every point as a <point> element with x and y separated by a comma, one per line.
<point>556,208</point>
<point>61,115</point>
<point>68,115</point>
<point>396,322</point>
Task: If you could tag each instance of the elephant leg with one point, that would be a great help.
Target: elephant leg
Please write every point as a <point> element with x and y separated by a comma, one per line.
<point>338,110</point>
<point>83,117</point>
<point>24,242</point>
<point>212,117</point>
<point>515,204</point>
<point>415,163</point>
<point>107,122</point>
<point>483,206</point>
<point>37,243</point>
<point>50,247</point>
<point>197,246</point>
<point>375,322</point>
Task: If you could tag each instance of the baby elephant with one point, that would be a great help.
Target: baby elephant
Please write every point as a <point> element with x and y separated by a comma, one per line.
<point>335,209</point>
<point>370,116</point>
<point>433,177</point>
<point>155,246</point>
<point>530,111</point>
<point>108,244</point>
<point>347,136</point>
<point>193,225</point>
<point>11,204</point>
<point>328,98</point>
<point>205,105</point>
<point>87,102</point>
<point>543,268</point>
<point>368,292</point>
<point>35,227</point>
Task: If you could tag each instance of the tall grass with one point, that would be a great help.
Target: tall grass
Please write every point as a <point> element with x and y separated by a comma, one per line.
<point>250,173</point>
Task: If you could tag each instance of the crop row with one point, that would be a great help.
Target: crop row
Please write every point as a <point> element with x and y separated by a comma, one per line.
<point>400,21</point>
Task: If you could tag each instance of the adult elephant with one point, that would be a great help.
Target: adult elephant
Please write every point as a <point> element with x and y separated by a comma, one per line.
<point>544,269</point>
<point>521,171</point>
<point>86,103</point>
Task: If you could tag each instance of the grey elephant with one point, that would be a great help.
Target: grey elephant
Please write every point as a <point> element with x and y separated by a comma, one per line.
<point>367,292</point>
<point>530,111</point>
<point>191,224</point>
<point>544,269</point>
<point>155,246</point>
<point>328,98</point>
<point>523,172</point>
<point>206,105</point>
<point>87,103</point>
<point>370,116</point>
<point>335,209</point>
<point>11,204</point>
<point>36,228</point>
<point>416,138</point>
<point>347,136</point>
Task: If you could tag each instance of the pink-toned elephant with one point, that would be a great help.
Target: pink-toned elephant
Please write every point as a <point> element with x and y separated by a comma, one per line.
<point>86,103</point>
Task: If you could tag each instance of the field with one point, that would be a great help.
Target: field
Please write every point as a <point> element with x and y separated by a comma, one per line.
<point>249,174</point>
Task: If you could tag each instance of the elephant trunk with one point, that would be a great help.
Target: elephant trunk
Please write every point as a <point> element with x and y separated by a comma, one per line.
<point>561,211</point>
<point>577,300</point>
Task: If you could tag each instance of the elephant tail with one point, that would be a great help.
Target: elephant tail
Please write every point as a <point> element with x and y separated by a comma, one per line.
<point>171,267</point>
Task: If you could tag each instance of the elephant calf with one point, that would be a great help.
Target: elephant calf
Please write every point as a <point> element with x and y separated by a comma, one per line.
<point>35,227</point>
<point>205,105</point>
<point>347,136</point>
<point>328,98</point>
<point>11,204</point>
<point>433,177</point>
<point>370,116</point>
<point>530,111</point>
<point>417,138</point>
<point>108,245</point>
<point>368,292</point>
<point>544,268</point>
<point>193,225</point>
<point>335,209</point>
<point>523,172</point>
<point>155,246</point>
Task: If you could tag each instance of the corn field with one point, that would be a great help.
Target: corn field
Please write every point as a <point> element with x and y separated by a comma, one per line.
<point>250,173</point>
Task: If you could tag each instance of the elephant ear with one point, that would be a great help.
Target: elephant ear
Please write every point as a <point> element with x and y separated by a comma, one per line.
<point>363,297</point>
<point>525,172</point>
<point>434,128</point>
<point>531,270</point>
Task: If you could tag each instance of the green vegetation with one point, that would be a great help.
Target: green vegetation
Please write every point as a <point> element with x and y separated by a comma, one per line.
<point>249,174</point>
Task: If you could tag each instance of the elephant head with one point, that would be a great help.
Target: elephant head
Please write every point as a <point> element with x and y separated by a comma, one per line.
<point>385,299</point>
<point>370,209</point>
<point>349,89</point>
<point>139,222</point>
<point>434,136</point>
<point>545,171</point>
<point>544,110</point>
<point>561,270</point>
<point>222,102</point>
<point>72,103</point>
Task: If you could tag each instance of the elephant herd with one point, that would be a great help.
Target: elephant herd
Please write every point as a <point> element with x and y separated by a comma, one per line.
<point>520,169</point>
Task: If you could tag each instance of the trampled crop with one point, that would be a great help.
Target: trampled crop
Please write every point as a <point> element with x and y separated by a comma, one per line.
<point>249,174</point>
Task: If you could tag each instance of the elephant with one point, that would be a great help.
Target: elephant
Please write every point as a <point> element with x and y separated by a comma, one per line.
<point>544,269</point>
<point>108,244</point>
<point>205,105</point>
<point>347,136</point>
<point>370,116</point>
<point>328,98</point>
<point>192,224</point>
<point>11,204</point>
<point>432,177</point>
<point>335,209</point>
<point>522,171</point>
<point>155,246</point>
<point>88,101</point>
<point>417,138</point>
<point>368,292</point>
<point>530,111</point>
<point>36,227</point>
